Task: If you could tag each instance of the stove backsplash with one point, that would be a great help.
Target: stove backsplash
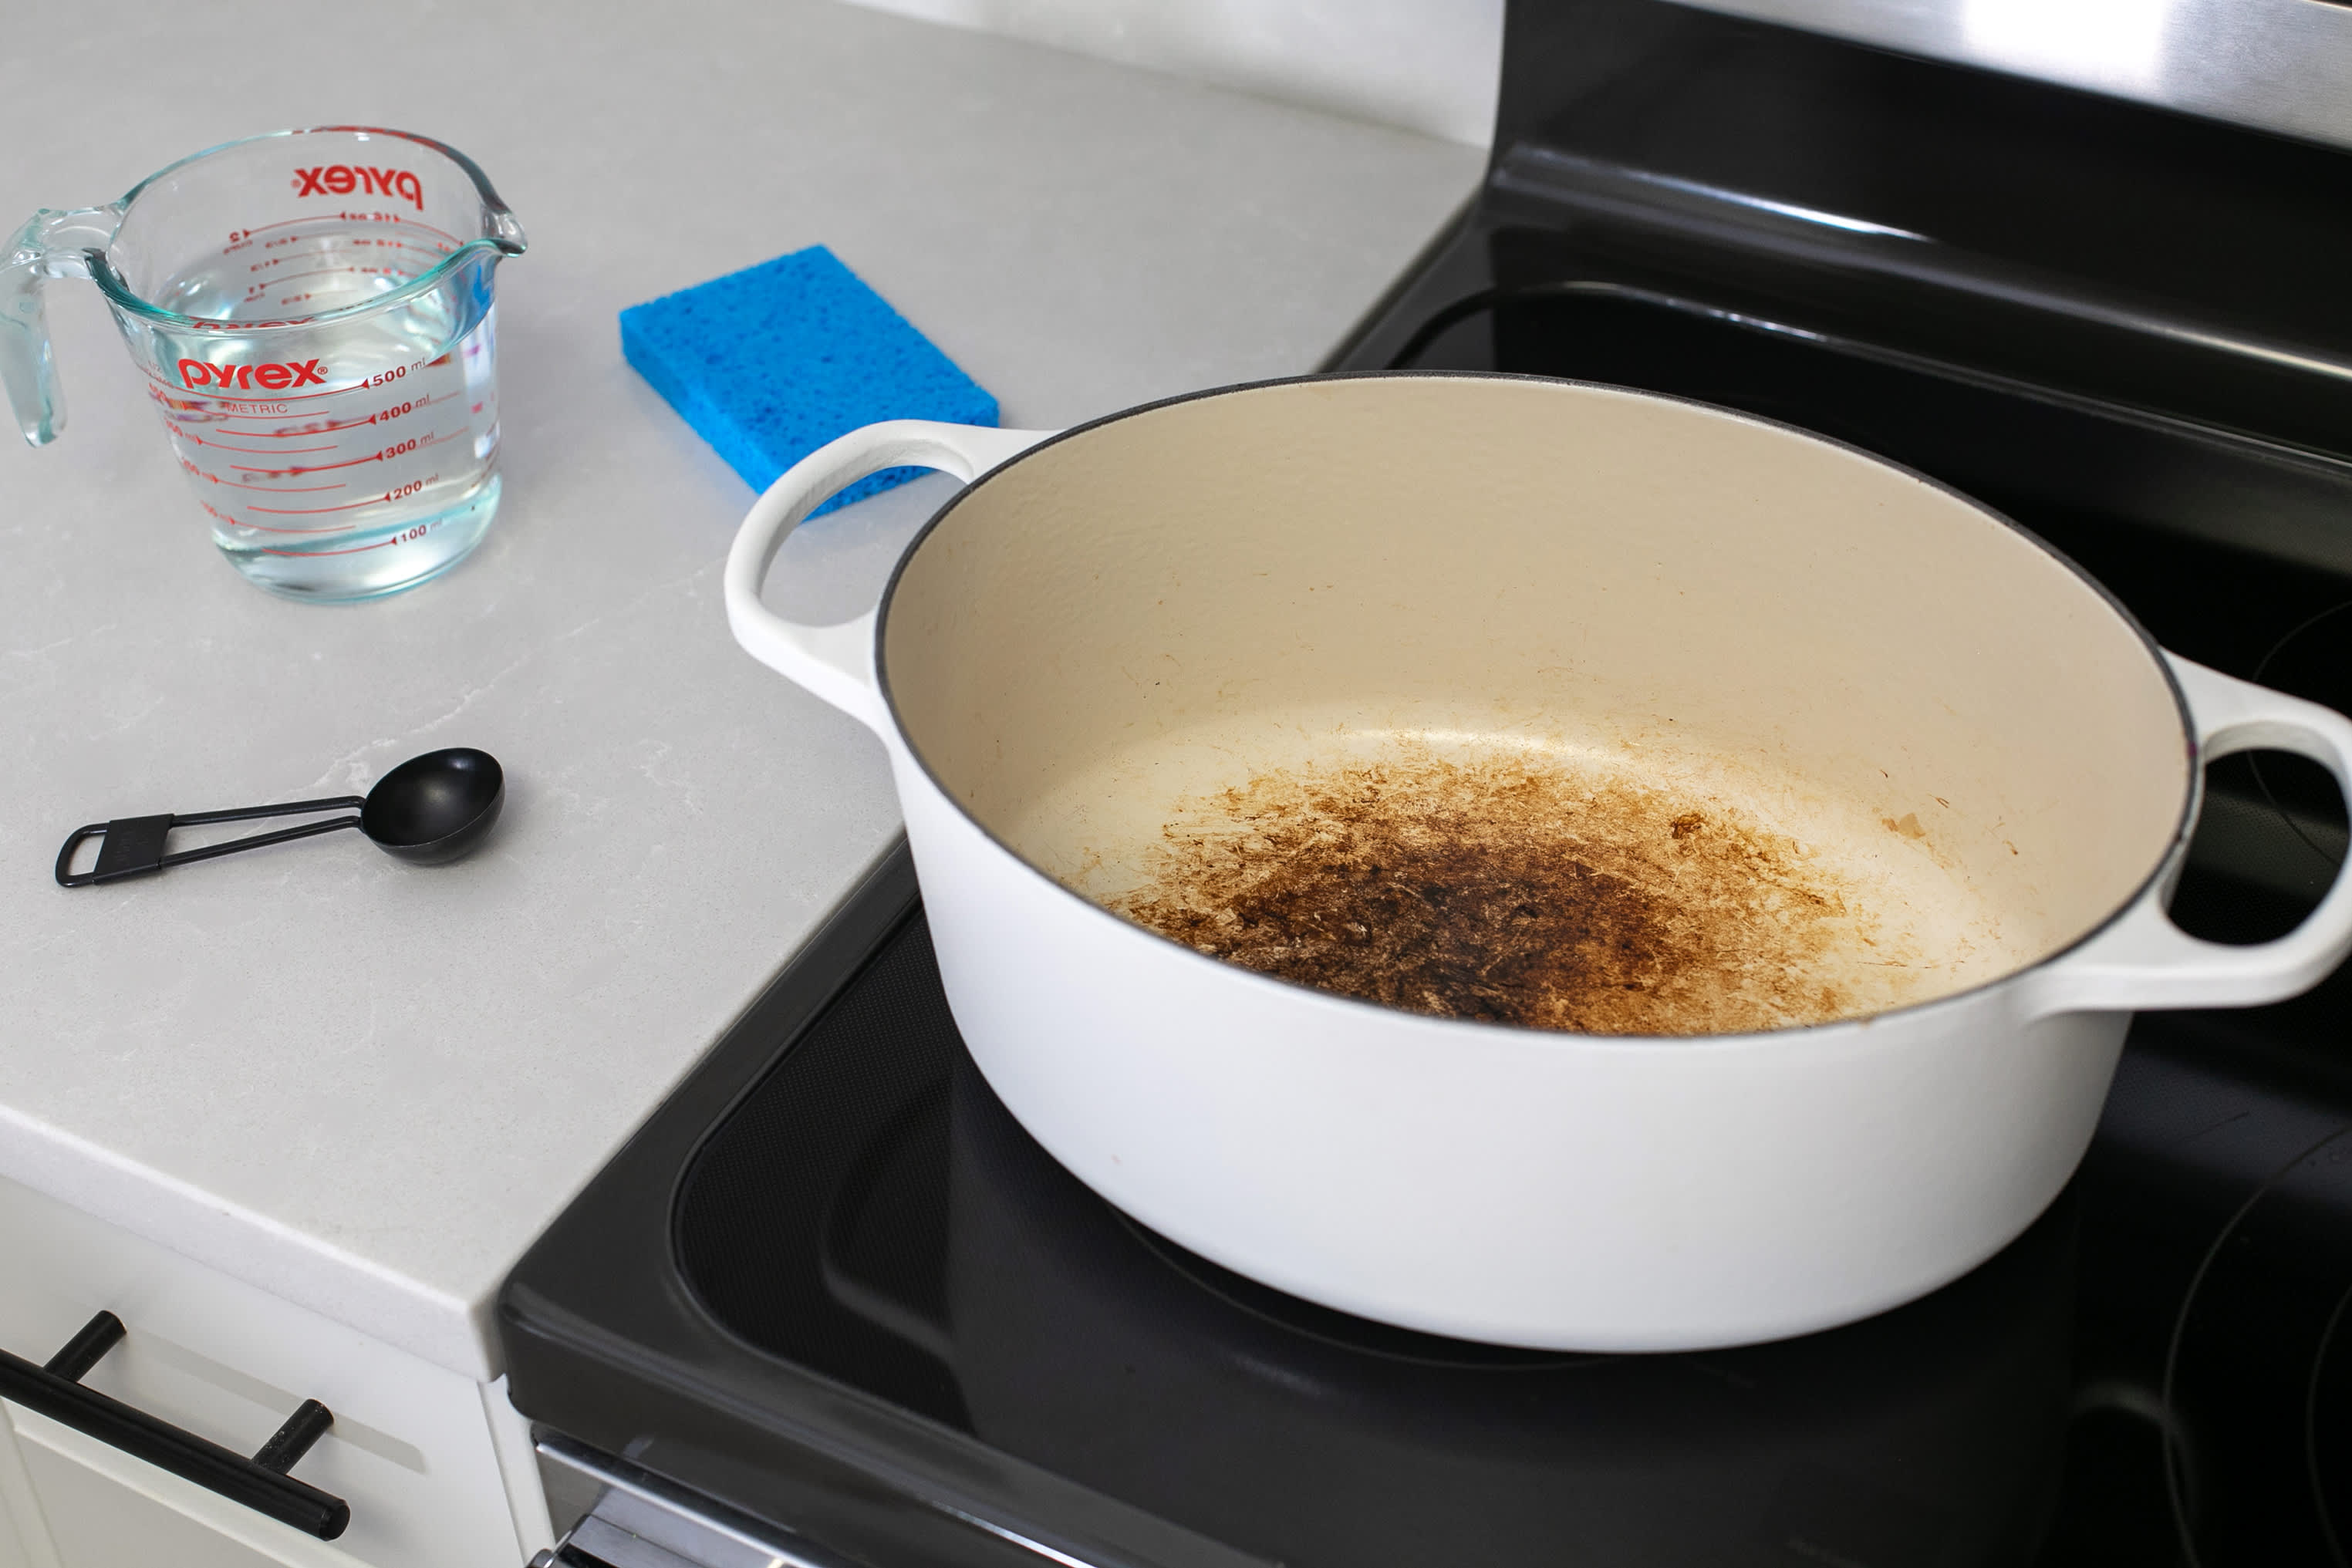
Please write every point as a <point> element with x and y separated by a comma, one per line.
<point>2196,265</point>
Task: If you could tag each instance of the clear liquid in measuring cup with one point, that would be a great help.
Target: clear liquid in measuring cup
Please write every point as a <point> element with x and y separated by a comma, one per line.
<point>365,460</point>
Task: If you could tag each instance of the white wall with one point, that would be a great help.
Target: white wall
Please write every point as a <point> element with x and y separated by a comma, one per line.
<point>1426,65</point>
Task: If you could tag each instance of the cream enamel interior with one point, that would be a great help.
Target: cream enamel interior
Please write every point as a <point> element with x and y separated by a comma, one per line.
<point>1101,635</point>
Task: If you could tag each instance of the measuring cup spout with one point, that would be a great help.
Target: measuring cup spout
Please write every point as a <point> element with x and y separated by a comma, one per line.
<point>52,244</point>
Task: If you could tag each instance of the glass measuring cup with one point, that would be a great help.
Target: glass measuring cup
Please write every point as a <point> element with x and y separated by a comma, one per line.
<point>312,311</point>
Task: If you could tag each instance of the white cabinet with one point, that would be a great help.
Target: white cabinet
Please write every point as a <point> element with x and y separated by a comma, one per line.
<point>434,1467</point>
<point>24,1543</point>
<point>104,1510</point>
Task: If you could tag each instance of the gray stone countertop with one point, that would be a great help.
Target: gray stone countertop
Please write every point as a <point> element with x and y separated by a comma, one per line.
<point>364,1086</point>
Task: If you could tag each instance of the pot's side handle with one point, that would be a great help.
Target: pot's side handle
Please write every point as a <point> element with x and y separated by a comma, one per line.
<point>837,663</point>
<point>2144,960</point>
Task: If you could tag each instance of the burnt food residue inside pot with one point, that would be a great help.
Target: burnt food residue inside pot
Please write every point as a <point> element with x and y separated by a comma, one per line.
<point>1503,892</point>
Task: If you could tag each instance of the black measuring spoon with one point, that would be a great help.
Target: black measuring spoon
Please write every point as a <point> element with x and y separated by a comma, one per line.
<point>428,809</point>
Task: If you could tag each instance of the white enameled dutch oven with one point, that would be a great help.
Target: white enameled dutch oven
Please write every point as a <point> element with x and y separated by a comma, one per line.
<point>1817,698</point>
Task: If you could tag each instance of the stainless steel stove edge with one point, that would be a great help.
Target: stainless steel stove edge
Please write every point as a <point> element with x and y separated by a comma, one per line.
<point>2282,66</point>
<point>616,1515</point>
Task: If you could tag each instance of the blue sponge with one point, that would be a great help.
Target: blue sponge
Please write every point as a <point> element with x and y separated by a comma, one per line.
<point>770,363</point>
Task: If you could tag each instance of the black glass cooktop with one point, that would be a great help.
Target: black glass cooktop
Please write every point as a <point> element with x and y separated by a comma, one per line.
<point>834,1285</point>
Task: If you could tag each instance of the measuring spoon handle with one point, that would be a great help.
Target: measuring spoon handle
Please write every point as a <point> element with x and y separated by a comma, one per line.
<point>133,846</point>
<point>285,809</point>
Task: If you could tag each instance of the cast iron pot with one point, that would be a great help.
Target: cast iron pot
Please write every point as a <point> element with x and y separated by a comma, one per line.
<point>1181,598</point>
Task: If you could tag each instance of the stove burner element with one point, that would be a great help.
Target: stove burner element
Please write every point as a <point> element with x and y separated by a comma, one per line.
<point>2314,661</point>
<point>2288,1402</point>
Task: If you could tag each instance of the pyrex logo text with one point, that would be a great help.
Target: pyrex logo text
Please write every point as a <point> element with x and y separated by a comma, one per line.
<point>271,378</point>
<point>343,179</point>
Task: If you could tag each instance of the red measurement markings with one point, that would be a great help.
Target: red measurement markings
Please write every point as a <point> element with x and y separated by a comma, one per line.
<point>208,476</point>
<point>417,223</point>
<point>379,417</point>
<point>328,244</point>
<point>257,289</point>
<point>405,536</point>
<point>319,511</point>
<point>225,446</point>
<point>382,415</point>
<point>299,257</point>
<point>175,398</point>
<point>238,236</point>
<point>399,449</point>
<point>242,239</point>
<point>396,220</point>
<point>353,551</point>
<point>433,253</point>
<point>266,529</point>
<point>297,435</point>
<point>399,493</point>
<point>233,520</point>
<point>165,392</point>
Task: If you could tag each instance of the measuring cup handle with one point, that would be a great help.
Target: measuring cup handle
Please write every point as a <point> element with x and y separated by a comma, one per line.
<point>25,368</point>
<point>52,244</point>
